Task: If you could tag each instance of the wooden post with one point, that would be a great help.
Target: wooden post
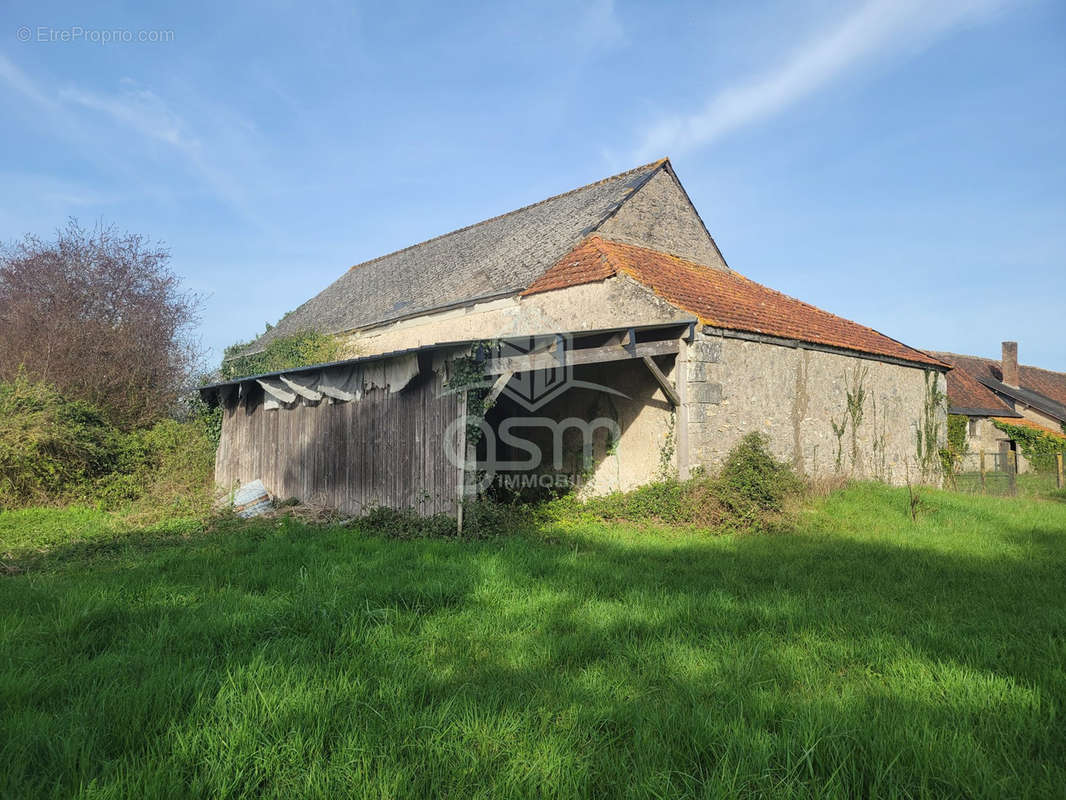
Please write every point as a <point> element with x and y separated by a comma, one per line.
<point>1058,470</point>
<point>1012,471</point>
<point>982,471</point>
<point>461,487</point>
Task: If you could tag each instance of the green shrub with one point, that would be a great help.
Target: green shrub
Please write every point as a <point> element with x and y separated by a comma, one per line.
<point>56,451</point>
<point>165,470</point>
<point>751,475</point>
<point>750,489</point>
<point>51,449</point>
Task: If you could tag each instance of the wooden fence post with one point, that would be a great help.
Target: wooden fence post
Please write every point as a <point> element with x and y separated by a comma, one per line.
<point>1058,470</point>
<point>1012,471</point>
<point>982,471</point>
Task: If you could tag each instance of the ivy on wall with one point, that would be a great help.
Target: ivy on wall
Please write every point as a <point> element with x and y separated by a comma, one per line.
<point>284,352</point>
<point>1038,447</point>
<point>927,433</point>
<point>957,445</point>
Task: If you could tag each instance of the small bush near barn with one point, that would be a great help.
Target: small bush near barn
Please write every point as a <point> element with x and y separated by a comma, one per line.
<point>748,494</point>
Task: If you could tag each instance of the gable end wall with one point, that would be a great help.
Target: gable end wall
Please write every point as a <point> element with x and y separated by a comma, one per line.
<point>660,217</point>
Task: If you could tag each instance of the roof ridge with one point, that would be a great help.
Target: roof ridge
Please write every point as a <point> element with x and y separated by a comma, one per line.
<point>1043,369</point>
<point>650,165</point>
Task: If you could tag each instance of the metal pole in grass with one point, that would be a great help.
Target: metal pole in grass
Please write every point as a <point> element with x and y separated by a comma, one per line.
<point>982,471</point>
<point>1012,471</point>
<point>1058,470</point>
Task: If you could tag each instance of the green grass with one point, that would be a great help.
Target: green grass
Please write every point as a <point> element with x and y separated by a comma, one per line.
<point>862,654</point>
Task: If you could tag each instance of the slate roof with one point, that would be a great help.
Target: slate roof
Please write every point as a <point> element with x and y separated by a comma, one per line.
<point>1042,389</point>
<point>495,258</point>
<point>719,298</point>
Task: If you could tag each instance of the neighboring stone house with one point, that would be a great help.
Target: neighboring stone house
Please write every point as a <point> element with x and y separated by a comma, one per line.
<point>986,390</point>
<point>692,355</point>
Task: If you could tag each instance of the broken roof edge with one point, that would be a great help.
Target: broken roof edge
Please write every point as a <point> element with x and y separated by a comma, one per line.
<point>426,348</point>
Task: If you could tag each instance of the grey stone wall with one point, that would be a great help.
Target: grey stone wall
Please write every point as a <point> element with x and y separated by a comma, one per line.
<point>793,395</point>
<point>615,302</point>
<point>660,217</point>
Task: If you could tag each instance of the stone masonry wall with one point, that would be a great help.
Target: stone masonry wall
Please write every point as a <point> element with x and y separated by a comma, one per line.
<point>660,217</point>
<point>792,394</point>
<point>616,302</point>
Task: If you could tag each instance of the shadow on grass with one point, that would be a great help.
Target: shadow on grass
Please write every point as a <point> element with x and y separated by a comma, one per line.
<point>280,660</point>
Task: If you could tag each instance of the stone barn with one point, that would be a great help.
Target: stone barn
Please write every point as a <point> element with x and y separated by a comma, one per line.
<point>595,340</point>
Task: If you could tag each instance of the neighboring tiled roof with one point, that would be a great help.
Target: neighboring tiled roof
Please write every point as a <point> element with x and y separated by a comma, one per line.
<point>967,396</point>
<point>1028,423</point>
<point>1043,389</point>
<point>494,258</point>
<point>1051,385</point>
<point>1027,397</point>
<point>719,298</point>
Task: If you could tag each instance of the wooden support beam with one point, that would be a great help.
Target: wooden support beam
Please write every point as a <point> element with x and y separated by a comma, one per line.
<point>663,381</point>
<point>588,355</point>
<point>498,387</point>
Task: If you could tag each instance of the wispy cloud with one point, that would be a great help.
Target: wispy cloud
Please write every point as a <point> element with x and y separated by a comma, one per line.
<point>209,155</point>
<point>139,109</point>
<point>877,28</point>
<point>22,83</point>
<point>147,114</point>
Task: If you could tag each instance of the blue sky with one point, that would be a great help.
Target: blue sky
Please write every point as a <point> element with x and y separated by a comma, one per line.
<point>900,163</point>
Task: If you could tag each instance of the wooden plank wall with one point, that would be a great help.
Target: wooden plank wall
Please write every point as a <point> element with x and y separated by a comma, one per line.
<point>384,450</point>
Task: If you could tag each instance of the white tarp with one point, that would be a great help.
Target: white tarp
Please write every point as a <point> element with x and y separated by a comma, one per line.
<point>343,383</point>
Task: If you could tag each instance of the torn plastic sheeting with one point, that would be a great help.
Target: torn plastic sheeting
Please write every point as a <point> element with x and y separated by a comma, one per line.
<point>304,385</point>
<point>339,384</point>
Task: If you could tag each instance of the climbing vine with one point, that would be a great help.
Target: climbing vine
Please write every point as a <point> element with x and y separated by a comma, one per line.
<point>666,452</point>
<point>880,441</point>
<point>467,373</point>
<point>854,410</point>
<point>839,430</point>
<point>927,432</point>
<point>855,392</point>
<point>1039,447</point>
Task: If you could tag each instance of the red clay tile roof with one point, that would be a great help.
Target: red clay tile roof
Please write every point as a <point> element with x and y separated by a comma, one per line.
<point>966,395</point>
<point>1042,381</point>
<point>720,298</point>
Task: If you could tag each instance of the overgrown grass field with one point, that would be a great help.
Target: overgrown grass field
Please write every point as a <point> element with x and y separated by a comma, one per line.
<point>858,653</point>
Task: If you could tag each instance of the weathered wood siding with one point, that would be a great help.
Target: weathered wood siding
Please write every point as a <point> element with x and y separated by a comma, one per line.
<point>387,449</point>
